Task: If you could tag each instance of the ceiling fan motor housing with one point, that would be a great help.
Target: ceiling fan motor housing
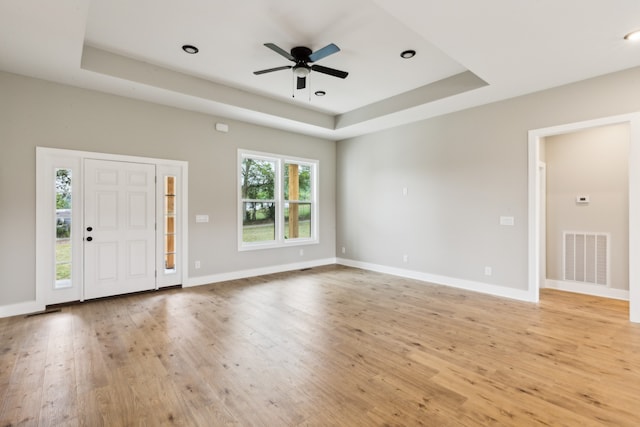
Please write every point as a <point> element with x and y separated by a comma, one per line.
<point>301,69</point>
<point>301,54</point>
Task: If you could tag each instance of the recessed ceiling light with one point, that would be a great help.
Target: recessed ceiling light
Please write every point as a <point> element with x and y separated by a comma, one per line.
<point>320,93</point>
<point>408,54</point>
<point>190,49</point>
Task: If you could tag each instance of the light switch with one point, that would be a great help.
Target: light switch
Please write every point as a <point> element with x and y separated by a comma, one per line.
<point>202,218</point>
<point>507,220</point>
<point>582,199</point>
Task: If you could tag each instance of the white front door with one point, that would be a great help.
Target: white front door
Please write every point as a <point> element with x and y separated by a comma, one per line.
<point>119,228</point>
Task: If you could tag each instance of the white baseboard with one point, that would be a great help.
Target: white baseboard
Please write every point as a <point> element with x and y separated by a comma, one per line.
<point>20,309</point>
<point>500,291</point>
<point>485,288</point>
<point>588,289</point>
<point>243,274</point>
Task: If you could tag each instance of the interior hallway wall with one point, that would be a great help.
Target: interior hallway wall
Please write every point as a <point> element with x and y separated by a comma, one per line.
<point>593,162</point>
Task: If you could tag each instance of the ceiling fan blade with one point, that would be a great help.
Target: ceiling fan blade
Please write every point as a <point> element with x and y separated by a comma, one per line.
<point>324,52</point>
<point>280,51</point>
<point>330,71</point>
<point>284,67</point>
<point>302,82</point>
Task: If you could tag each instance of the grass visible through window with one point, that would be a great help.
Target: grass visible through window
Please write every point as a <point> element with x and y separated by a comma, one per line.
<point>266,232</point>
<point>63,259</point>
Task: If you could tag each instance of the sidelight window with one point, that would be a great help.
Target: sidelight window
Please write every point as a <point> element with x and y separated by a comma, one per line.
<point>170,224</point>
<point>63,242</point>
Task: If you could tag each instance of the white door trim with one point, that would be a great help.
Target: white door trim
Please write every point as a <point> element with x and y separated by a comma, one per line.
<point>542,189</point>
<point>47,159</point>
<point>634,202</point>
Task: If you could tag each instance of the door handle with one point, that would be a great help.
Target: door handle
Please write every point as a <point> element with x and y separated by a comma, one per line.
<point>89,239</point>
<point>89,228</point>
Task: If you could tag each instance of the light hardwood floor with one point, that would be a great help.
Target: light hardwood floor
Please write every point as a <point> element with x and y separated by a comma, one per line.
<point>323,347</point>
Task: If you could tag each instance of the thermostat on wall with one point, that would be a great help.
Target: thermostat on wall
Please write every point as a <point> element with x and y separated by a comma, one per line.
<point>582,199</point>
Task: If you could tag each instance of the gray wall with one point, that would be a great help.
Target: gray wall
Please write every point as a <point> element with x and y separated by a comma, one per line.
<point>463,171</point>
<point>38,113</point>
<point>592,162</point>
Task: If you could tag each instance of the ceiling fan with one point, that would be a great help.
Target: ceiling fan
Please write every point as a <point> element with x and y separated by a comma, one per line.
<point>302,56</point>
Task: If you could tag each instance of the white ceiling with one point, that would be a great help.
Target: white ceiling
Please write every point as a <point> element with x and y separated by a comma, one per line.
<point>468,53</point>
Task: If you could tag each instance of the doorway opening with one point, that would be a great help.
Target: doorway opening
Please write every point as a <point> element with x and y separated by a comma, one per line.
<point>537,182</point>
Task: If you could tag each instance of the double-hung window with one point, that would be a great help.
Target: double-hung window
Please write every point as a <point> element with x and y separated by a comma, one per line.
<point>277,200</point>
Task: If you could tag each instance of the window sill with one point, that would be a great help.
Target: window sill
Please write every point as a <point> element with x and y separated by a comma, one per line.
<point>277,245</point>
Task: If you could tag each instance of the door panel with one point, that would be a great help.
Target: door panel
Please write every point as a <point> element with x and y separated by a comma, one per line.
<point>107,206</point>
<point>119,225</point>
<point>107,261</point>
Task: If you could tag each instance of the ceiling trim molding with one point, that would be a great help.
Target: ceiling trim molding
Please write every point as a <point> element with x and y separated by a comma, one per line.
<point>444,88</point>
<point>114,65</point>
<point>118,66</point>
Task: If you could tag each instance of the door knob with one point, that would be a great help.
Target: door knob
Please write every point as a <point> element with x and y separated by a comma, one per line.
<point>89,239</point>
<point>89,228</point>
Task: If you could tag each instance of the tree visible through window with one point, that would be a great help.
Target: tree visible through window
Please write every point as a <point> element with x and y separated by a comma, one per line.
<point>259,205</point>
<point>277,200</point>
<point>297,198</point>
<point>63,228</point>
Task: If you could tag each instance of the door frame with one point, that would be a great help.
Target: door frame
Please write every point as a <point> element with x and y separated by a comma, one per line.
<point>542,231</point>
<point>633,120</point>
<point>47,160</point>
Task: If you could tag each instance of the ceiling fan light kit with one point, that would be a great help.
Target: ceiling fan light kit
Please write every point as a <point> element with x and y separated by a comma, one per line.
<point>633,36</point>
<point>302,56</point>
<point>301,71</point>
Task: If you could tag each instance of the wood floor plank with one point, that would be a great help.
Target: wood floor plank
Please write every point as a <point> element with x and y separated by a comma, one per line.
<point>330,346</point>
<point>59,399</point>
<point>24,391</point>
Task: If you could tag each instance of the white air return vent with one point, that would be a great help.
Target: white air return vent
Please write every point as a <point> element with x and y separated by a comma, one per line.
<point>586,257</point>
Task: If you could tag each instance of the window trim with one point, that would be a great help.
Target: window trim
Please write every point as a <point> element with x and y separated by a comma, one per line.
<point>280,161</point>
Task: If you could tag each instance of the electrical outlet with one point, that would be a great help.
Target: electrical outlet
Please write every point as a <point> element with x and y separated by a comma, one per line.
<point>344,250</point>
<point>405,258</point>
<point>488,271</point>
<point>197,264</point>
<point>301,252</point>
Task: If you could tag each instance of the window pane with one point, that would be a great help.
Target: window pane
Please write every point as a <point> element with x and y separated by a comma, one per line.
<point>169,224</point>
<point>63,228</point>
<point>297,220</point>
<point>297,182</point>
<point>276,200</point>
<point>257,179</point>
<point>258,223</point>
